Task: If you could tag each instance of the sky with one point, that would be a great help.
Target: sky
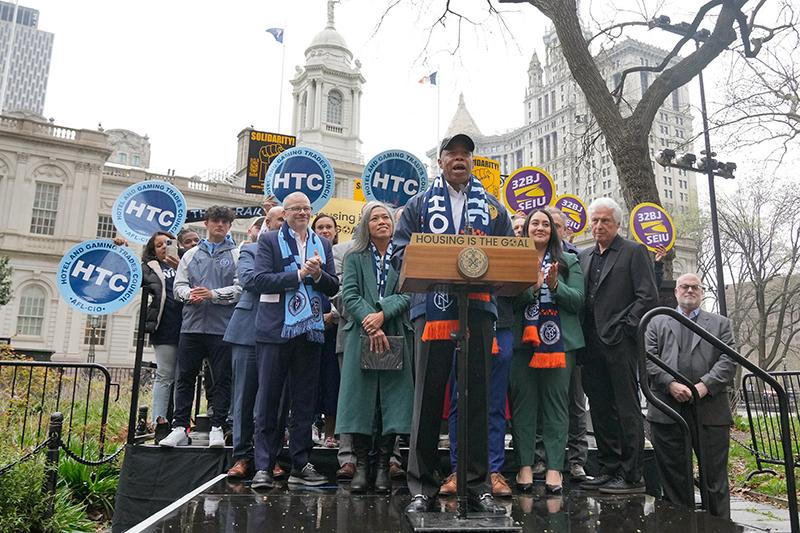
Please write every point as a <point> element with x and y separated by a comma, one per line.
<point>192,75</point>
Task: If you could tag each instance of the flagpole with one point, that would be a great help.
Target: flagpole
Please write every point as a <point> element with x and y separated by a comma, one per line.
<point>438,105</point>
<point>280,87</point>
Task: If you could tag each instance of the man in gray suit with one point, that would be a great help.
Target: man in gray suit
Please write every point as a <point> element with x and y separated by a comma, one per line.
<point>712,372</point>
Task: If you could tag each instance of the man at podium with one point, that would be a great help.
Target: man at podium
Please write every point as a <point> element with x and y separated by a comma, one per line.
<point>455,203</point>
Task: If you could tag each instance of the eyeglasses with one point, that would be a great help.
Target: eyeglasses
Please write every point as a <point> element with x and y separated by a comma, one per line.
<point>685,287</point>
<point>299,209</point>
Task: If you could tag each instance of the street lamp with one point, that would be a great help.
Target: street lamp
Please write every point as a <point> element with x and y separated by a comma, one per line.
<point>94,324</point>
<point>708,165</point>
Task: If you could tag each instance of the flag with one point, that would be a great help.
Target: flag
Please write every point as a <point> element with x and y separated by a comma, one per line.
<point>277,33</point>
<point>430,78</point>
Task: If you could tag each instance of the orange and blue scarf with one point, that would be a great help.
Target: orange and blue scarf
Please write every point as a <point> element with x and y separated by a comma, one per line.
<point>543,326</point>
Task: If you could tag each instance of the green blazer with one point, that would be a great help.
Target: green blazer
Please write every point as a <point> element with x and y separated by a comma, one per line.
<point>359,389</point>
<point>569,298</point>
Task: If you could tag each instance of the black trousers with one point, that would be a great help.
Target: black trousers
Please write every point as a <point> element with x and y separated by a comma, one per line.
<point>434,360</point>
<point>297,361</point>
<point>671,461</point>
<point>192,349</point>
<point>609,380</point>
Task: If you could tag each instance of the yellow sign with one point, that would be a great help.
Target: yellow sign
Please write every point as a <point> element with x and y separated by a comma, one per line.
<point>358,191</point>
<point>346,213</point>
<point>488,171</point>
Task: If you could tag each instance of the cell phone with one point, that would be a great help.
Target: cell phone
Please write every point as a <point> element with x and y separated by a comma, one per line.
<point>172,248</point>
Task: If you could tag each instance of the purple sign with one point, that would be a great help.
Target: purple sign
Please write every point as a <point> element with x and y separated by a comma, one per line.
<point>574,211</point>
<point>652,226</point>
<point>527,189</point>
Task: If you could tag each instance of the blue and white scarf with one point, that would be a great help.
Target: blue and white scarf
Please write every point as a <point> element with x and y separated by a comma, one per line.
<point>381,267</point>
<point>303,306</point>
<point>542,325</point>
<point>440,309</point>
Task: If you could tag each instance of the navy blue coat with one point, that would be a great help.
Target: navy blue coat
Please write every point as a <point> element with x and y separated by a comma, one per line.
<point>241,328</point>
<point>270,279</point>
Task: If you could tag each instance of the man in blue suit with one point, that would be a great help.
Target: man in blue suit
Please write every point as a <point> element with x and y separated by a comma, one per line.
<point>293,268</point>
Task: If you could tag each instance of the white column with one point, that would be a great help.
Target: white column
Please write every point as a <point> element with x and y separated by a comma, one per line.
<point>310,99</point>
<point>356,126</point>
<point>318,110</point>
<point>295,111</point>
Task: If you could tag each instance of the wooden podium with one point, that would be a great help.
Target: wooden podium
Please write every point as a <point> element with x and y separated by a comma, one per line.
<point>464,264</point>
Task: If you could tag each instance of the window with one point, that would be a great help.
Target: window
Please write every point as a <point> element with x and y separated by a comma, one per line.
<point>667,193</point>
<point>45,208</point>
<point>137,161</point>
<point>239,236</point>
<point>30,317</point>
<point>335,107</point>
<point>105,227</point>
<point>122,158</point>
<point>99,331</point>
<point>555,144</point>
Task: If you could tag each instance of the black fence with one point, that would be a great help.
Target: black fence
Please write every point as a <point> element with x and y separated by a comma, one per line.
<point>783,431</point>
<point>761,401</point>
<point>52,407</point>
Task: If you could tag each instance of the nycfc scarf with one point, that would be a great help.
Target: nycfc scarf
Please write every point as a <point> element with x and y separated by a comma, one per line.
<point>381,267</point>
<point>303,306</point>
<point>441,310</point>
<point>543,326</point>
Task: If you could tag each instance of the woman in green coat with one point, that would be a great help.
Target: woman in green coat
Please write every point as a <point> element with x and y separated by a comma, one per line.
<point>376,310</point>
<point>547,333</point>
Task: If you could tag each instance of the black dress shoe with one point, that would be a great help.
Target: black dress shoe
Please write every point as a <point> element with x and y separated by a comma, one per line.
<point>596,482</point>
<point>620,485</point>
<point>523,487</point>
<point>419,504</point>
<point>262,480</point>
<point>553,489</point>
<point>484,504</point>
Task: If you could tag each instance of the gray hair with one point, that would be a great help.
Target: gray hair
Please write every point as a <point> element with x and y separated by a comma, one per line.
<point>554,211</point>
<point>361,238</point>
<point>606,203</point>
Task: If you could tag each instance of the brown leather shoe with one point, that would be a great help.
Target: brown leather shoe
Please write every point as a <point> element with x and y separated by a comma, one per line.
<point>500,485</point>
<point>449,486</point>
<point>347,471</point>
<point>241,469</point>
<point>278,472</point>
<point>396,471</point>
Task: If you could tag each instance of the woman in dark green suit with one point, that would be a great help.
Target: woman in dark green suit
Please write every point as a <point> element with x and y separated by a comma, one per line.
<point>370,292</point>
<point>547,333</point>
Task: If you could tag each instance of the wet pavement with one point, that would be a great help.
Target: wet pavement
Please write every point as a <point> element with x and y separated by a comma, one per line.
<point>227,507</point>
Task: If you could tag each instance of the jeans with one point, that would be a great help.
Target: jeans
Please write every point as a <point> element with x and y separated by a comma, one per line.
<point>166,357</point>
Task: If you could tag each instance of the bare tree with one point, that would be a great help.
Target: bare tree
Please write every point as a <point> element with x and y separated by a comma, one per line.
<point>760,238</point>
<point>761,103</point>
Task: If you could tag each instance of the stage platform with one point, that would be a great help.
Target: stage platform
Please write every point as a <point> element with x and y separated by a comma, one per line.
<point>221,506</point>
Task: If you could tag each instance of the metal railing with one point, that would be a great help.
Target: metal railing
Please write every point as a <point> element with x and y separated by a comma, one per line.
<point>784,428</point>
<point>761,404</point>
<point>30,389</point>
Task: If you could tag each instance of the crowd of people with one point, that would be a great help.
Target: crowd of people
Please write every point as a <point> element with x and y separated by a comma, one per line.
<point>297,328</point>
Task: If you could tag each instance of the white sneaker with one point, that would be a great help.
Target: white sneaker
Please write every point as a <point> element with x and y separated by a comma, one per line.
<point>216,438</point>
<point>176,437</point>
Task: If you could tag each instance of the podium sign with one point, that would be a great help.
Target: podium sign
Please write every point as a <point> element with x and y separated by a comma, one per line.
<point>511,263</point>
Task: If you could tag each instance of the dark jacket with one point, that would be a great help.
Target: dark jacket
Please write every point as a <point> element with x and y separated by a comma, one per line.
<point>411,222</point>
<point>160,306</point>
<point>272,283</point>
<point>625,292</point>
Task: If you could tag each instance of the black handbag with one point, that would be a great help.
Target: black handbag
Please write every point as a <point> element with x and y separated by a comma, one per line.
<point>391,359</point>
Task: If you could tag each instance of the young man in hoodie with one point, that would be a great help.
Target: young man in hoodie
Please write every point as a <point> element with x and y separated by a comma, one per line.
<point>207,285</point>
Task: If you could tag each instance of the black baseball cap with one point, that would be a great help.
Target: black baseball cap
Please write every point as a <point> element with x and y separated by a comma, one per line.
<point>449,142</point>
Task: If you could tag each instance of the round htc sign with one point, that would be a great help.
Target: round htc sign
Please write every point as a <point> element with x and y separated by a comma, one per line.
<point>147,207</point>
<point>98,277</point>
<point>394,177</point>
<point>303,170</point>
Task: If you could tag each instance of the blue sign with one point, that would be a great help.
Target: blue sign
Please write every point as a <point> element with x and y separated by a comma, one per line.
<point>394,177</point>
<point>98,277</point>
<point>303,170</point>
<point>147,207</point>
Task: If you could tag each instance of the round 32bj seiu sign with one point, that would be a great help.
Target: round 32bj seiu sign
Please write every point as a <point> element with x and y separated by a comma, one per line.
<point>394,177</point>
<point>147,207</point>
<point>574,211</point>
<point>652,226</point>
<point>303,170</point>
<point>528,188</point>
<point>98,277</point>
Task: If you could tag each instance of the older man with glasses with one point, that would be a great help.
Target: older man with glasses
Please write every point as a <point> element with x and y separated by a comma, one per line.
<point>712,372</point>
